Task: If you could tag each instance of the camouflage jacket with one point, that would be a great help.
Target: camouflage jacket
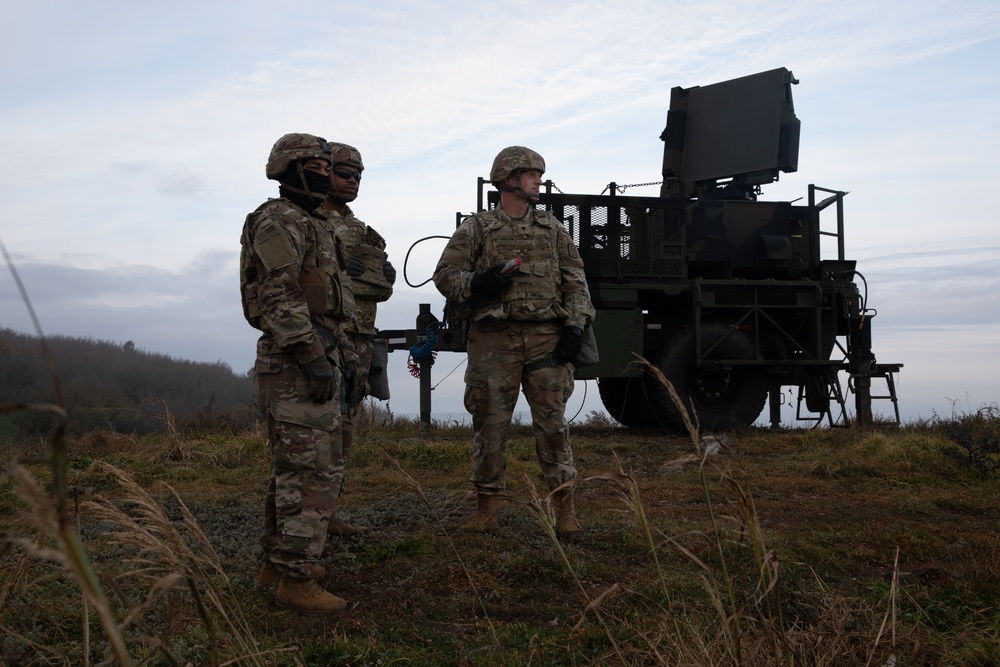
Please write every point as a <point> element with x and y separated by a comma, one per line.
<point>371,287</point>
<point>293,284</point>
<point>550,283</point>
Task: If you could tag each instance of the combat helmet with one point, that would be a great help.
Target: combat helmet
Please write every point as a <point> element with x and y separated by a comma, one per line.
<point>349,155</point>
<point>293,147</point>
<point>515,158</point>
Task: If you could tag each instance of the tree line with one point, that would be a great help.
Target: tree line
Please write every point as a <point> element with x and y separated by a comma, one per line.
<point>117,387</point>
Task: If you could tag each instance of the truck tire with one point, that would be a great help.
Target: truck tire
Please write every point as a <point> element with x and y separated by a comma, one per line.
<point>627,402</point>
<point>724,398</point>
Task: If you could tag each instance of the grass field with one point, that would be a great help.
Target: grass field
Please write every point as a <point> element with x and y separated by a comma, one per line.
<point>822,547</point>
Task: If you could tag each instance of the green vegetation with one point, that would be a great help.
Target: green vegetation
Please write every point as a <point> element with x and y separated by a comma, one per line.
<point>823,547</point>
<point>115,387</point>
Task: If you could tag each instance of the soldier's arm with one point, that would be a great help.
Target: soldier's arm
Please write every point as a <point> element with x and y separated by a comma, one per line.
<point>279,246</point>
<point>575,293</point>
<point>454,272</point>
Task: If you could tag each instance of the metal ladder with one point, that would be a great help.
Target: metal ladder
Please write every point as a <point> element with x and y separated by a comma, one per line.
<point>887,373</point>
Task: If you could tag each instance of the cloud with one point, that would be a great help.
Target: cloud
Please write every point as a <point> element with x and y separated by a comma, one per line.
<point>135,136</point>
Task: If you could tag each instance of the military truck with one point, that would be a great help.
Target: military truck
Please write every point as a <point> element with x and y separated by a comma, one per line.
<point>731,297</point>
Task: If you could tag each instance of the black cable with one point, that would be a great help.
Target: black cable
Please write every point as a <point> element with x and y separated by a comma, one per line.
<point>582,403</point>
<point>407,259</point>
<point>864,298</point>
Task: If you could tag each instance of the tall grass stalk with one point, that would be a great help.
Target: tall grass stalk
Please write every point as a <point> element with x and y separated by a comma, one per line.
<point>49,514</point>
<point>419,490</point>
<point>544,514</point>
<point>731,618</point>
<point>166,558</point>
<point>890,611</point>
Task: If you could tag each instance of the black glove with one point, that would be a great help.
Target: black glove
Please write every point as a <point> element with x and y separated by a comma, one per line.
<point>355,267</point>
<point>389,271</point>
<point>490,282</point>
<point>569,345</point>
<point>352,384</point>
<point>322,388</point>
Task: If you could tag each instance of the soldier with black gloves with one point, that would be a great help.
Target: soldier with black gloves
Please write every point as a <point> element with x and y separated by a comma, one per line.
<point>517,275</point>
<point>372,277</point>
<point>296,292</point>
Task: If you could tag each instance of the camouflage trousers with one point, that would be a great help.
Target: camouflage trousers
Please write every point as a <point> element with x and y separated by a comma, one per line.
<point>363,346</point>
<point>307,464</point>
<point>499,354</point>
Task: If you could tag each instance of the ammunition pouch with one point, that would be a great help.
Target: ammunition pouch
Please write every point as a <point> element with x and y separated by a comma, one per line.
<point>372,284</point>
<point>588,355</point>
<point>323,293</point>
<point>378,371</point>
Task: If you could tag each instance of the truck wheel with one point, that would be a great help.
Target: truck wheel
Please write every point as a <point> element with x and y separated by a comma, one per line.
<point>723,398</point>
<point>627,402</point>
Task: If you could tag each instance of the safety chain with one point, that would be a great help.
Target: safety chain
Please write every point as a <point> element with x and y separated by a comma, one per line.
<point>622,188</point>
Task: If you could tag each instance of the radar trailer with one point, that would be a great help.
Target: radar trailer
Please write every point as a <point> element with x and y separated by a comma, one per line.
<point>728,295</point>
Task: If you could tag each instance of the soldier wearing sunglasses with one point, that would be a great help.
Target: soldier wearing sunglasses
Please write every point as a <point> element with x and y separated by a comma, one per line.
<point>372,276</point>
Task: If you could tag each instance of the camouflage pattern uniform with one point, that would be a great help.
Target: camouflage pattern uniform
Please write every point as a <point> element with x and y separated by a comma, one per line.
<point>370,272</point>
<point>370,288</point>
<point>295,292</point>
<point>513,335</point>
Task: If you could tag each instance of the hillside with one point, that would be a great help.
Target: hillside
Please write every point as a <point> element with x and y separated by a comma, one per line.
<point>116,387</point>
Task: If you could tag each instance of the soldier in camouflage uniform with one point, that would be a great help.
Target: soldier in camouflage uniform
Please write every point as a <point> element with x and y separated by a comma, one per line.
<point>295,292</point>
<point>372,277</point>
<point>526,329</point>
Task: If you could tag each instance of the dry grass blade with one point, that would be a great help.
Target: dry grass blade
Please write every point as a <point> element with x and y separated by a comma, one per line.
<point>418,489</point>
<point>160,588</point>
<point>68,552</point>
<point>66,539</point>
<point>890,611</point>
<point>165,558</point>
<point>545,516</point>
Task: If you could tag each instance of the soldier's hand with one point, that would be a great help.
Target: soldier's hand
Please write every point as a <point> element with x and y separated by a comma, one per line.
<point>389,271</point>
<point>490,282</point>
<point>322,388</point>
<point>352,384</point>
<point>355,267</point>
<point>569,345</point>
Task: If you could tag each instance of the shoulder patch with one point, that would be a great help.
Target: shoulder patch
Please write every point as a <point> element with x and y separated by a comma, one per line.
<point>274,246</point>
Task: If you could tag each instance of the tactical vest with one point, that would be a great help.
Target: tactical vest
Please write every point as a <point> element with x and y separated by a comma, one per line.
<point>367,245</point>
<point>249,280</point>
<point>535,294</point>
<point>326,289</point>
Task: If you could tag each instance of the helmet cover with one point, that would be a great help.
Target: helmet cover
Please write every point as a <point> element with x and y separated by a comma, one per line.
<point>349,155</point>
<point>515,158</point>
<point>296,146</point>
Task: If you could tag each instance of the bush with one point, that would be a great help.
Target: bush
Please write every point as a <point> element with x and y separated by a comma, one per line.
<point>975,438</point>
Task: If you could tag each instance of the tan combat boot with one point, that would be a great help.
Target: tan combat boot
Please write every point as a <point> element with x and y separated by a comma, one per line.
<point>567,527</point>
<point>269,575</point>
<point>306,596</point>
<point>484,519</point>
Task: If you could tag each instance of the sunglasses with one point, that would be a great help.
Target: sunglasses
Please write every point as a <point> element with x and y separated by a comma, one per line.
<point>347,173</point>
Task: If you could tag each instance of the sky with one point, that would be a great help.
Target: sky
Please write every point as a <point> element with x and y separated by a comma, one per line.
<point>133,138</point>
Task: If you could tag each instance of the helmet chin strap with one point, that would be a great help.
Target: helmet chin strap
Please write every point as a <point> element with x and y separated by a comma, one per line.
<point>530,198</point>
